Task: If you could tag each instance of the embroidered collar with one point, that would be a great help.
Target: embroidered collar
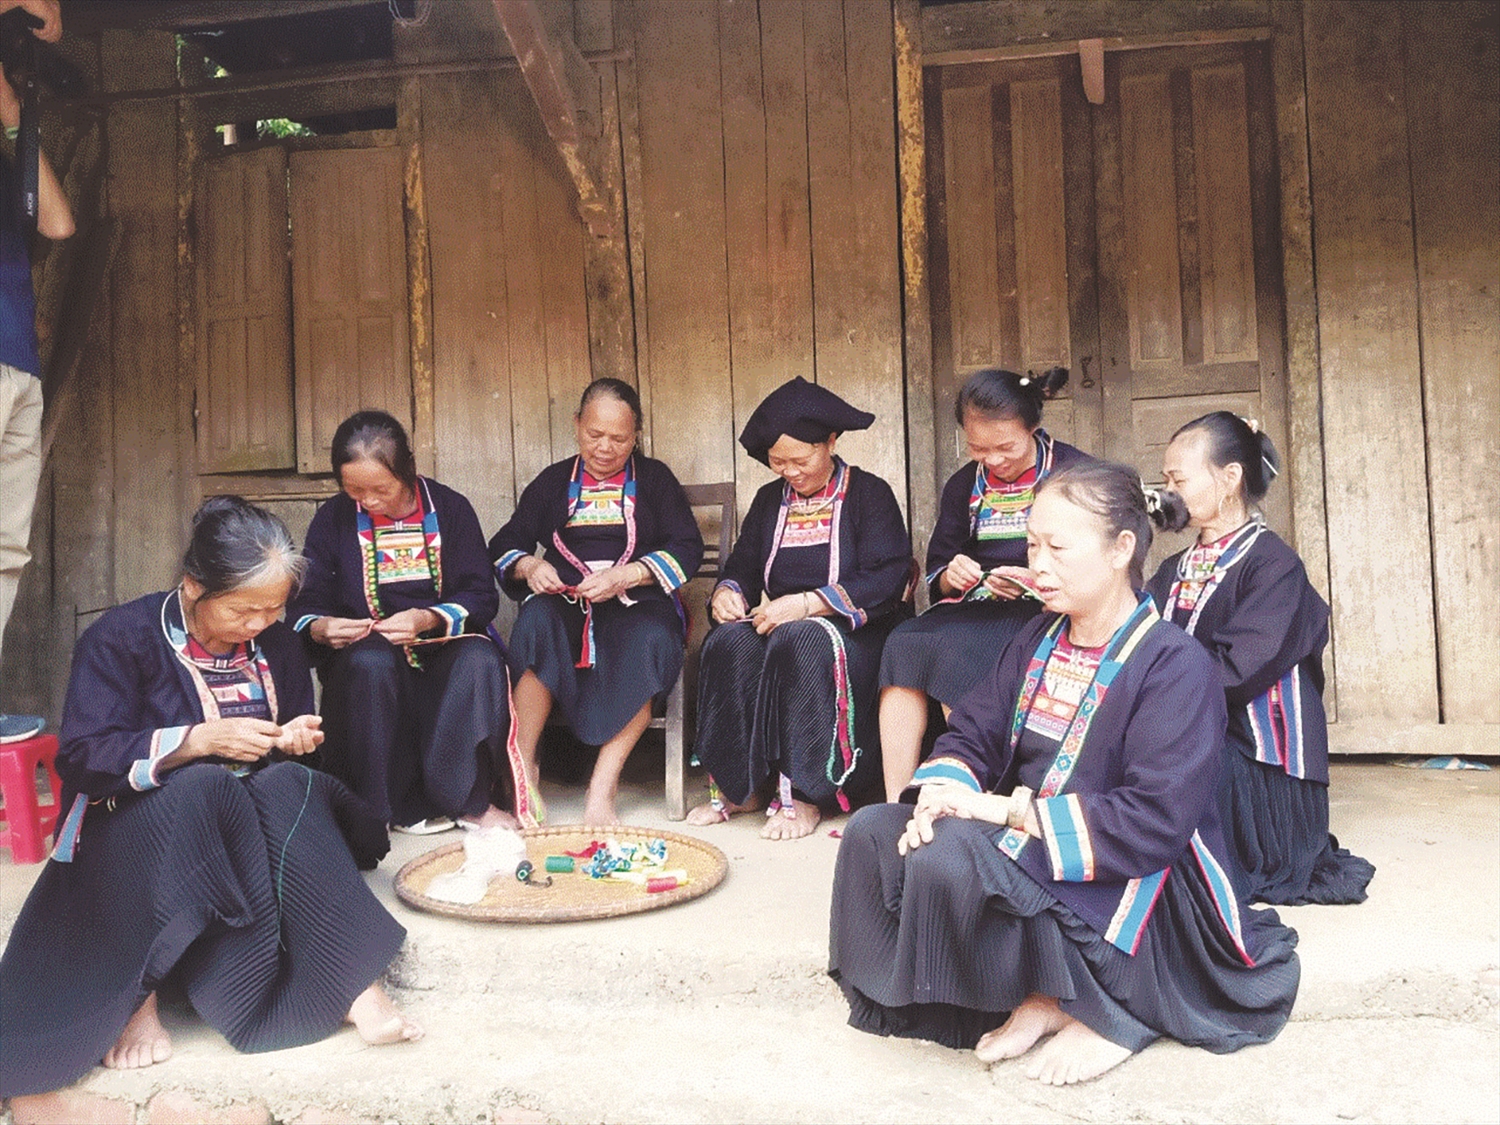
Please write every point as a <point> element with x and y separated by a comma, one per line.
<point>1043,468</point>
<point>837,489</point>
<point>248,659</point>
<point>365,527</point>
<point>1232,549</point>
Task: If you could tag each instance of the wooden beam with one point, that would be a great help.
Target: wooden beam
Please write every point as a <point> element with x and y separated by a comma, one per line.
<point>1091,60</point>
<point>85,17</point>
<point>982,24</point>
<point>566,93</point>
<point>1048,48</point>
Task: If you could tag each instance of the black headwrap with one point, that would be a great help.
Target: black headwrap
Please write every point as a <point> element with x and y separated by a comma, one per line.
<point>801,410</point>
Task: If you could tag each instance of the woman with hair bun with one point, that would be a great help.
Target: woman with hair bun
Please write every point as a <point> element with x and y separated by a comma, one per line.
<point>1244,594</point>
<point>600,631</point>
<point>197,852</point>
<point>1061,888</point>
<point>979,534</point>
<point>398,596</point>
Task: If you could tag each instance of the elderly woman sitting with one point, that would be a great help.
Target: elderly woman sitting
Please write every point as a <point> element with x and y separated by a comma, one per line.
<point>1064,875</point>
<point>197,851</point>
<point>786,688</point>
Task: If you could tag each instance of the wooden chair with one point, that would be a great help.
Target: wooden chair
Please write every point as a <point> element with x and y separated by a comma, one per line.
<point>719,496</point>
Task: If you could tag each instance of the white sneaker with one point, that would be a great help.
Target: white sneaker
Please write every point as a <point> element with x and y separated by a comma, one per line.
<point>429,827</point>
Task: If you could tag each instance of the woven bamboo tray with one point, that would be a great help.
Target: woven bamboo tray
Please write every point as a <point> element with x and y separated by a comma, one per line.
<point>571,897</point>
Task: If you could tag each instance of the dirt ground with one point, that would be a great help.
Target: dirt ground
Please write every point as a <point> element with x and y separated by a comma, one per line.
<point>719,1009</point>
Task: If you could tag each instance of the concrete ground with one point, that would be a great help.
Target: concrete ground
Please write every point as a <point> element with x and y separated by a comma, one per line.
<point>719,1010</point>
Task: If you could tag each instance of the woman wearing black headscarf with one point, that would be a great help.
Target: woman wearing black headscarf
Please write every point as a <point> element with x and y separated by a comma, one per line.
<point>787,686</point>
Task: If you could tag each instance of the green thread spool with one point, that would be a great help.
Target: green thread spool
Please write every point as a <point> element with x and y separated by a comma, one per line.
<point>524,870</point>
<point>562,864</point>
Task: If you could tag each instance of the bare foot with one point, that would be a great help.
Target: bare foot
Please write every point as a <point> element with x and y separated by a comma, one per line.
<point>1077,1053</point>
<point>705,814</point>
<point>1036,1016</point>
<point>378,1020</point>
<point>599,810</point>
<point>779,826</point>
<point>491,818</point>
<point>143,1042</point>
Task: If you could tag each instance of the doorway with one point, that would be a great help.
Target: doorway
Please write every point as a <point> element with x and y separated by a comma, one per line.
<point>1135,243</point>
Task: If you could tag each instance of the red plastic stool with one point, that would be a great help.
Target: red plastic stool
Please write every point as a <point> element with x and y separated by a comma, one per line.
<point>25,824</point>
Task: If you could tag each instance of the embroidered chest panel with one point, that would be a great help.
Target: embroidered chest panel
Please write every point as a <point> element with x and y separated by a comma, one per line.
<point>401,553</point>
<point>1003,508</point>
<point>600,504</point>
<point>809,523</point>
<point>1065,679</point>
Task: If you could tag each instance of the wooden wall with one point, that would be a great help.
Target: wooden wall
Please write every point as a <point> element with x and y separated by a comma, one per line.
<point>753,146</point>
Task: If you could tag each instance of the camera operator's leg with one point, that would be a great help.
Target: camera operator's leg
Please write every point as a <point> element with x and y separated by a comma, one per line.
<point>20,470</point>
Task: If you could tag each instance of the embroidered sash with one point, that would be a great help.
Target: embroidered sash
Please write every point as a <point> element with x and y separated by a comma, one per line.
<point>586,658</point>
<point>843,754</point>
<point>1124,642</point>
<point>369,560</point>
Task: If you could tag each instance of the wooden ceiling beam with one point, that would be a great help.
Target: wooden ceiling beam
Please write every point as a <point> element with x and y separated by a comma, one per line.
<point>566,92</point>
<point>82,17</point>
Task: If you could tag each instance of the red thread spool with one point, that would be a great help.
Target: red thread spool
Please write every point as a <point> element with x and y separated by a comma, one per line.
<point>667,883</point>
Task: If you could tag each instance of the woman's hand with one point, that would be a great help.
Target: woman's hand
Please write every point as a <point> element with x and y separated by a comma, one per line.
<point>728,604</point>
<point>939,799</point>
<point>784,610</point>
<point>540,575</point>
<point>300,735</point>
<point>404,627</point>
<point>960,575</point>
<point>1002,587</point>
<point>238,740</point>
<point>608,583</point>
<point>340,632</point>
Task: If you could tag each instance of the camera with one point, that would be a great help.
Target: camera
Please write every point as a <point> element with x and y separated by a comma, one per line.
<point>18,47</point>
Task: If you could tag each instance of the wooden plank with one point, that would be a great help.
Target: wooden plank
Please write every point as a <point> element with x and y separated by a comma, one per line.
<point>418,261</point>
<point>634,194</point>
<point>153,487</point>
<point>243,352</point>
<point>981,25</point>
<point>1085,391</point>
<point>1454,126</point>
<point>1005,310</point>
<point>611,321</point>
<point>1115,378</point>
<point>682,173</point>
<point>1041,241</point>
<point>351,326</point>
<point>1154,286</point>
<point>1221,149</point>
<point>1367,321</point>
<point>566,92</point>
<point>915,289</point>
<point>973,271</point>
<point>947,455</point>
<point>1302,463</point>
<point>852,181</point>
<point>461,124</point>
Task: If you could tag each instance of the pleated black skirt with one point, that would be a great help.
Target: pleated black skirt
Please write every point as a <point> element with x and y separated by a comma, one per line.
<point>944,943</point>
<point>244,893</point>
<point>948,649</point>
<point>1277,826</point>
<point>768,705</point>
<point>418,743</point>
<point>638,656</point>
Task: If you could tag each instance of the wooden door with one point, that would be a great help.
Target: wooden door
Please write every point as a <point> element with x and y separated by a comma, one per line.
<point>1190,313</point>
<point>1011,238</point>
<point>1134,243</point>
<point>350,314</point>
<point>243,412</point>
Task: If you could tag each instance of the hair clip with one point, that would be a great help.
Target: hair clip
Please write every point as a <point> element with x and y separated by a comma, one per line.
<point>1270,468</point>
<point>1024,381</point>
<point>1253,423</point>
<point>1153,500</point>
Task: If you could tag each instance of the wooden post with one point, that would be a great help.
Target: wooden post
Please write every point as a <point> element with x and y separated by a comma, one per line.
<point>911,161</point>
<point>418,273</point>
<point>559,79</point>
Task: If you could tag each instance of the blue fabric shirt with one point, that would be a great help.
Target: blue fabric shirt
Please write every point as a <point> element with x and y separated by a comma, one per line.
<point>17,299</point>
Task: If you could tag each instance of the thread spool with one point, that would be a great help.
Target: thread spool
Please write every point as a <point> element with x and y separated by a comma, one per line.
<point>524,870</point>
<point>563,864</point>
<point>664,883</point>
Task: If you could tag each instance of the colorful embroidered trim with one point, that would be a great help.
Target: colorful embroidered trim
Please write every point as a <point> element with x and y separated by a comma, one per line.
<point>1066,834</point>
<point>837,488</point>
<point>369,563</point>
<point>1222,892</point>
<point>142,775</point>
<point>946,770</point>
<point>1044,453</point>
<point>1276,724</point>
<point>1124,642</point>
<point>1234,551</point>
<point>842,751</point>
<point>1129,922</point>
<point>627,506</point>
<point>666,569</point>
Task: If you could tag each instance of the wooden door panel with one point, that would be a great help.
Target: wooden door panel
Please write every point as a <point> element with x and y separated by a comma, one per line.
<point>244,405</point>
<point>351,317</point>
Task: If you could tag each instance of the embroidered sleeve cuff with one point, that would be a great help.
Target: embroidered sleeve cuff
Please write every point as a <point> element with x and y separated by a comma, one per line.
<point>301,624</point>
<point>453,615</point>
<point>506,561</point>
<point>143,770</point>
<point>946,769</point>
<point>727,584</point>
<point>841,603</point>
<point>666,570</point>
<point>1066,834</point>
